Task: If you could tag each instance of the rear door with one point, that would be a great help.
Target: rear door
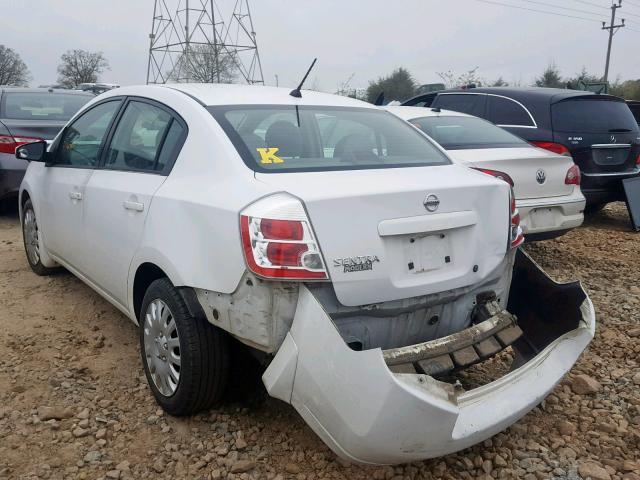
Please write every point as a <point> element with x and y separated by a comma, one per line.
<point>139,154</point>
<point>66,177</point>
<point>599,130</point>
<point>471,103</point>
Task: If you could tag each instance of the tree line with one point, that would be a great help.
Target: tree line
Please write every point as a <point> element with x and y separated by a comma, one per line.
<point>401,85</point>
<point>76,67</point>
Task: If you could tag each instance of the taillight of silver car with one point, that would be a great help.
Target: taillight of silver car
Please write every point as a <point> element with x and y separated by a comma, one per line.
<point>516,236</point>
<point>8,144</point>
<point>278,240</point>
<point>573,176</point>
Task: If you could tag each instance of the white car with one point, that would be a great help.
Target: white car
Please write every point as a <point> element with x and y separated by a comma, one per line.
<point>546,185</point>
<point>323,232</point>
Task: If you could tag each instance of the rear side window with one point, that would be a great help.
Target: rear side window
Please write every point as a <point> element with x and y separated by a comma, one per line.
<point>282,138</point>
<point>80,143</point>
<point>459,133</point>
<point>470,103</point>
<point>41,106</point>
<point>138,138</point>
<point>504,111</point>
<point>593,115</point>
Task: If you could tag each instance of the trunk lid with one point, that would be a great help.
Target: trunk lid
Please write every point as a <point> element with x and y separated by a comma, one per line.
<point>523,166</point>
<point>600,132</point>
<point>380,242</point>
<point>44,129</point>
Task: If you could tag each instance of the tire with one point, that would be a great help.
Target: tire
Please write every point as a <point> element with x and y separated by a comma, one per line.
<point>30,239</point>
<point>185,359</point>
<point>594,208</point>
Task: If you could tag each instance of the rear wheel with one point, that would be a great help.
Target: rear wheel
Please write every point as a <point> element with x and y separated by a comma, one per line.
<point>594,208</point>
<point>31,239</point>
<point>186,359</point>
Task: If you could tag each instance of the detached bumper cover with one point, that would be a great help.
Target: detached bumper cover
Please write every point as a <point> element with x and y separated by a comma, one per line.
<point>368,414</point>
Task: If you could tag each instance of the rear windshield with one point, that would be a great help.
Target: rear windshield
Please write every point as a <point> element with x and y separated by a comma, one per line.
<point>459,133</point>
<point>586,115</point>
<point>279,138</point>
<point>41,106</point>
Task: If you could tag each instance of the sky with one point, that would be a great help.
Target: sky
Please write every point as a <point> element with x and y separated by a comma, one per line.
<point>363,38</point>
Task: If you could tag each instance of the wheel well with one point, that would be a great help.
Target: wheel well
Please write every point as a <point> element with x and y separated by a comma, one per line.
<point>146,274</point>
<point>24,198</point>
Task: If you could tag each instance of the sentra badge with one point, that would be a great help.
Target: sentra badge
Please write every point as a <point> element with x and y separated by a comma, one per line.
<point>356,264</point>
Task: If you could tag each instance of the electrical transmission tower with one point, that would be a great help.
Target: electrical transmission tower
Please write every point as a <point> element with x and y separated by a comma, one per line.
<point>198,41</point>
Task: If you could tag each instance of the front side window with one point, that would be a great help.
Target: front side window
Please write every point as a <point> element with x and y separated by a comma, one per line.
<point>287,138</point>
<point>138,138</point>
<point>459,133</point>
<point>81,141</point>
<point>504,111</point>
<point>470,103</point>
<point>41,106</point>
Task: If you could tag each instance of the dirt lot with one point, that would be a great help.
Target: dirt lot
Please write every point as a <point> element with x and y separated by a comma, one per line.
<point>74,402</point>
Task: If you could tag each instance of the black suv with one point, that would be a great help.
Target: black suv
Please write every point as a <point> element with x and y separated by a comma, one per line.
<point>598,131</point>
<point>634,106</point>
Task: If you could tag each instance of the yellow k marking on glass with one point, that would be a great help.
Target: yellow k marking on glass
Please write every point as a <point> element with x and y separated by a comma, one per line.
<point>268,155</point>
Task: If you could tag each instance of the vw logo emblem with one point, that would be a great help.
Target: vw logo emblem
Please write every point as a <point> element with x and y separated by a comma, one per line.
<point>613,139</point>
<point>541,177</point>
<point>431,203</point>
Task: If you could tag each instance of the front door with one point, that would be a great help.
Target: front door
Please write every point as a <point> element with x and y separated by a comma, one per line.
<point>119,194</point>
<point>73,162</point>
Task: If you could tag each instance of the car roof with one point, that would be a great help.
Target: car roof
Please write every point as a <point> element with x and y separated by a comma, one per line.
<point>522,94</point>
<point>410,113</point>
<point>9,88</point>
<point>212,94</point>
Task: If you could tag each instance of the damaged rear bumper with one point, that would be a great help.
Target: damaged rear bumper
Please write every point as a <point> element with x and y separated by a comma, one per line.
<point>368,414</point>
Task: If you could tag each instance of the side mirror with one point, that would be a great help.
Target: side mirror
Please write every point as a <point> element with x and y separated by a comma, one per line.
<point>32,152</point>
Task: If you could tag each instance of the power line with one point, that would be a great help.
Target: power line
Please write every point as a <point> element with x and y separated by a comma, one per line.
<point>637,5</point>
<point>591,3</point>
<point>563,8</point>
<point>539,11</point>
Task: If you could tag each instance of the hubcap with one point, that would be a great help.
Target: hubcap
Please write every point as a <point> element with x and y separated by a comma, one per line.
<point>30,232</point>
<point>162,347</point>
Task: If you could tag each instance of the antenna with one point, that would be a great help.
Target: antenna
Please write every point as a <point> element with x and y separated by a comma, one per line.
<point>196,41</point>
<point>296,91</point>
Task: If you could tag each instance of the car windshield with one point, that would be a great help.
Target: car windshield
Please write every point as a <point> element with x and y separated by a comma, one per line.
<point>460,133</point>
<point>41,106</point>
<point>597,115</point>
<point>280,138</point>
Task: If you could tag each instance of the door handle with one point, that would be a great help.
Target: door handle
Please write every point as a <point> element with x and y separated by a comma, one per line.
<point>136,206</point>
<point>75,195</point>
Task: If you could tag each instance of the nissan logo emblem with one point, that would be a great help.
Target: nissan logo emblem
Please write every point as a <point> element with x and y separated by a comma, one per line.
<point>431,203</point>
<point>541,176</point>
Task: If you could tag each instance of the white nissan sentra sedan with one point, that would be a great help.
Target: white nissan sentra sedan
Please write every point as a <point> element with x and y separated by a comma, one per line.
<point>546,185</point>
<point>323,232</point>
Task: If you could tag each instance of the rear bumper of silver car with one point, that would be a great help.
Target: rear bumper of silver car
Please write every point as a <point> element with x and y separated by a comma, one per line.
<point>552,214</point>
<point>368,414</point>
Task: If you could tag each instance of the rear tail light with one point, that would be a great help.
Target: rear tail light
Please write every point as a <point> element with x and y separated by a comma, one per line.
<point>278,240</point>
<point>573,176</point>
<point>8,144</point>
<point>497,174</point>
<point>516,237</point>
<point>553,147</point>
<point>638,160</point>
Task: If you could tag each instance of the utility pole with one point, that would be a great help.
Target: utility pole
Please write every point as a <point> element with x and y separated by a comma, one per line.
<point>613,28</point>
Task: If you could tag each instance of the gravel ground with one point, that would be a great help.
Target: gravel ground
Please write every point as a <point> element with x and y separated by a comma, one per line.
<point>74,402</point>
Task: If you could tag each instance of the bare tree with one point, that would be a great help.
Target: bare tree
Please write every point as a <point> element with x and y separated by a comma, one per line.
<point>206,64</point>
<point>81,66</point>
<point>13,70</point>
<point>452,80</point>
